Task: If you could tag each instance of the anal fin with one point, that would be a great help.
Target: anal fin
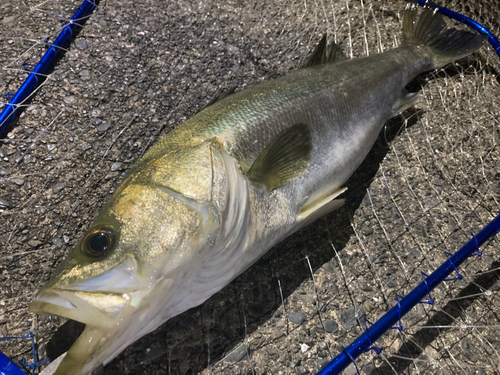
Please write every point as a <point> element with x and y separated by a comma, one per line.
<point>409,99</point>
<point>312,211</point>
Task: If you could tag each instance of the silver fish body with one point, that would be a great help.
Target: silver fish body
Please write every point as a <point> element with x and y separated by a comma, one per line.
<point>345,106</point>
<point>216,193</point>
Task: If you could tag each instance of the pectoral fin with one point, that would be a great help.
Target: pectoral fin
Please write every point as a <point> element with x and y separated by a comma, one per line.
<point>312,211</point>
<point>284,158</point>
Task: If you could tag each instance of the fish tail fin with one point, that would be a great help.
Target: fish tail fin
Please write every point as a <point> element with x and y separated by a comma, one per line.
<point>430,29</point>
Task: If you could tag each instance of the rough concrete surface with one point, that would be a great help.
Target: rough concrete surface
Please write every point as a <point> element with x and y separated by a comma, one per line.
<point>139,68</point>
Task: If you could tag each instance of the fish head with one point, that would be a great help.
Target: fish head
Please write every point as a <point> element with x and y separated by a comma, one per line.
<point>131,270</point>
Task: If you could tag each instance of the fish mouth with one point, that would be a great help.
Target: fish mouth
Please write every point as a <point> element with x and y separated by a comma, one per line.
<point>94,308</point>
<point>104,315</point>
<point>98,301</point>
<point>107,303</point>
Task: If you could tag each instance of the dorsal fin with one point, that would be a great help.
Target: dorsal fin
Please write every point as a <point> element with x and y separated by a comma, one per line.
<point>219,95</point>
<point>318,55</point>
<point>284,158</point>
<point>335,53</point>
<point>323,54</point>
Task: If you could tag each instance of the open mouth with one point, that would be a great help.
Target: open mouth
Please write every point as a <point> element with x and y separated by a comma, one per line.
<point>93,308</point>
<point>101,312</point>
<point>107,304</point>
<point>97,301</point>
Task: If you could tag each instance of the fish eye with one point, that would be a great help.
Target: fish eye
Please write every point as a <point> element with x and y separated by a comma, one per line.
<point>99,241</point>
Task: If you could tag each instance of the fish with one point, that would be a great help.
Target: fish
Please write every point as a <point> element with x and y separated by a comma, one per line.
<point>217,192</point>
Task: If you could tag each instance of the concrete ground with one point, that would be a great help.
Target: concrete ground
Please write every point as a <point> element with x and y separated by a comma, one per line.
<point>140,68</point>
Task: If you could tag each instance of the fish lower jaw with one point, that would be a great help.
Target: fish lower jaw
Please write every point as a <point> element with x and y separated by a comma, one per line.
<point>110,326</point>
<point>102,339</point>
<point>84,355</point>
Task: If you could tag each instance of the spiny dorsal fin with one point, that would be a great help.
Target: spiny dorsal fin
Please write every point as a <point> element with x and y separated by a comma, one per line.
<point>284,158</point>
<point>318,55</point>
<point>219,95</point>
<point>335,53</point>
<point>323,54</point>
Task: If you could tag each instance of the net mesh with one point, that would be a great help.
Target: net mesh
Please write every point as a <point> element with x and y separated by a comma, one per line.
<point>140,68</point>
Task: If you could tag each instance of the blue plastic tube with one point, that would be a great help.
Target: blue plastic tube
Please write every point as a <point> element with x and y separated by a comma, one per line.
<point>7,367</point>
<point>37,75</point>
<point>393,316</point>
